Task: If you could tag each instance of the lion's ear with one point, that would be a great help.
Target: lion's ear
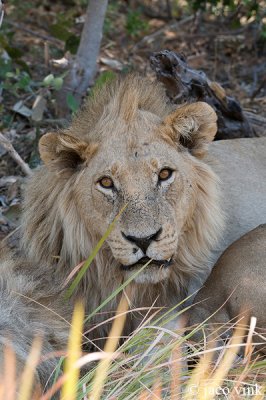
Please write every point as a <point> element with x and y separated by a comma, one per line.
<point>193,126</point>
<point>64,153</point>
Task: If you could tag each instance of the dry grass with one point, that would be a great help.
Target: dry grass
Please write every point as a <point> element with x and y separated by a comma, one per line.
<point>149,365</point>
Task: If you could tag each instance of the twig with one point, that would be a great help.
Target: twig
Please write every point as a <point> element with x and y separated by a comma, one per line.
<point>9,180</point>
<point>1,13</point>
<point>169,9</point>
<point>33,33</point>
<point>153,36</point>
<point>4,142</point>
<point>258,89</point>
<point>62,122</point>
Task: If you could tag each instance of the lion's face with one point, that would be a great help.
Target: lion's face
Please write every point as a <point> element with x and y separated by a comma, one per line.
<point>143,169</point>
<point>154,182</point>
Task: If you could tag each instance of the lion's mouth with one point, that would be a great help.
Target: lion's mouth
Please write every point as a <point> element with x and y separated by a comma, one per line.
<point>152,263</point>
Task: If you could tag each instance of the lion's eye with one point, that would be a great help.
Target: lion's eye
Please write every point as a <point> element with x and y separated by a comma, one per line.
<point>106,182</point>
<point>165,174</point>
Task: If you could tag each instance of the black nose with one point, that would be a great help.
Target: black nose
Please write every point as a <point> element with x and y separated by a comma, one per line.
<point>143,242</point>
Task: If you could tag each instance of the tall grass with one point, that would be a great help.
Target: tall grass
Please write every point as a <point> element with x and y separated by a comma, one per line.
<point>149,364</point>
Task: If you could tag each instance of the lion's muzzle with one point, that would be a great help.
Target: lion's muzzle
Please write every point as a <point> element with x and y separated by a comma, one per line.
<point>150,262</point>
<point>143,242</point>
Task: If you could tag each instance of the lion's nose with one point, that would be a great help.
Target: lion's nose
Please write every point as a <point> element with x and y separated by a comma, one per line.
<point>143,242</point>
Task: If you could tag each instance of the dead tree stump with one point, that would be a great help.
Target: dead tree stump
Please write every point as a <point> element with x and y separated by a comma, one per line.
<point>186,85</point>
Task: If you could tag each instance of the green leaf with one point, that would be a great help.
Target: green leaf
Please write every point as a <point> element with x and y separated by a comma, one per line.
<point>60,32</point>
<point>13,52</point>
<point>48,80</point>
<point>72,44</point>
<point>10,75</point>
<point>135,24</point>
<point>57,83</point>
<point>72,102</point>
<point>5,68</point>
<point>24,82</point>
<point>105,77</point>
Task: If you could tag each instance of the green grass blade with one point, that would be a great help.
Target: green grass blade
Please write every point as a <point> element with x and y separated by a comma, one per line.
<point>117,291</point>
<point>91,257</point>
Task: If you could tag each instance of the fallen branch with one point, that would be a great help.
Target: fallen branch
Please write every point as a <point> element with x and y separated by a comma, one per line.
<point>173,26</point>
<point>7,145</point>
<point>30,32</point>
<point>186,85</point>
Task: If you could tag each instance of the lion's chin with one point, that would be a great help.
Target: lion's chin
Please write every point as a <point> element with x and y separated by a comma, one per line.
<point>149,275</point>
<point>154,272</point>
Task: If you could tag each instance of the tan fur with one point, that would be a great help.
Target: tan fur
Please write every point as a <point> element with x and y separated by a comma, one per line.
<point>30,307</point>
<point>129,132</point>
<point>235,289</point>
<point>65,217</point>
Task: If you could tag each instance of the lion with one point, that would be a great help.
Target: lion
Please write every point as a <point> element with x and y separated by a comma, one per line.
<point>235,289</point>
<point>127,147</point>
<point>124,125</point>
<point>131,154</point>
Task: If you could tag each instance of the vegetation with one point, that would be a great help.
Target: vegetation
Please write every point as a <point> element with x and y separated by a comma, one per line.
<point>151,364</point>
<point>24,75</point>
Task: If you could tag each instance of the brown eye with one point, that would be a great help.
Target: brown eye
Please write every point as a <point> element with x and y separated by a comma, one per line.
<point>165,174</point>
<point>106,182</point>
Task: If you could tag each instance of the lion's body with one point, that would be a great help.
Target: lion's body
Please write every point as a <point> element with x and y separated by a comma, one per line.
<point>237,280</point>
<point>22,291</point>
<point>128,135</point>
<point>241,167</point>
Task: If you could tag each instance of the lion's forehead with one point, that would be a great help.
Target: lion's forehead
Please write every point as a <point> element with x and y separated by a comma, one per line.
<point>144,155</point>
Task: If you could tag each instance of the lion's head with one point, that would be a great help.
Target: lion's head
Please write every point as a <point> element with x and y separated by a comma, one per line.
<point>127,147</point>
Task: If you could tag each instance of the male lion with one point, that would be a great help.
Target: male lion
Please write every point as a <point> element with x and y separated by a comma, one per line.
<point>127,147</point>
